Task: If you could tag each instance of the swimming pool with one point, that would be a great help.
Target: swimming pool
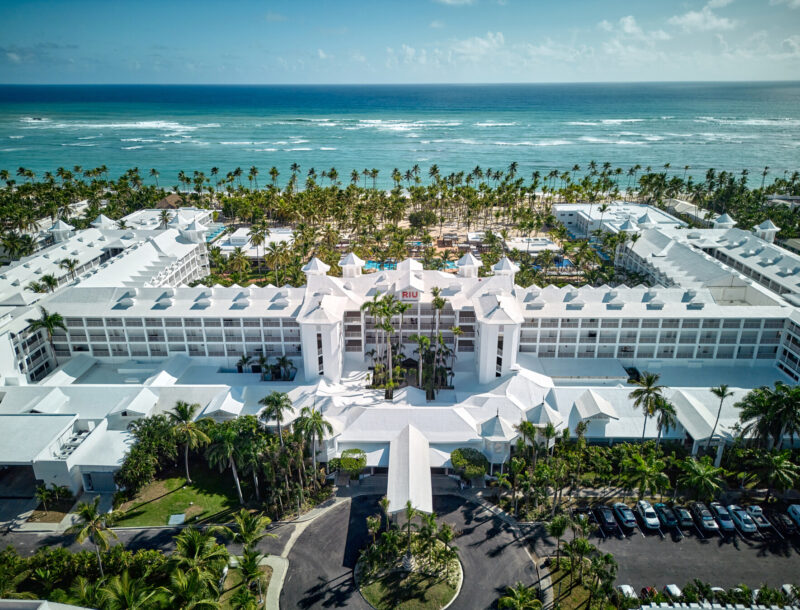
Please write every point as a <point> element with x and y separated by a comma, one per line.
<point>378,266</point>
<point>215,231</point>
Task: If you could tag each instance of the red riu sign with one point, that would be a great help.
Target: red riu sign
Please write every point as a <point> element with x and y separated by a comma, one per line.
<point>409,294</point>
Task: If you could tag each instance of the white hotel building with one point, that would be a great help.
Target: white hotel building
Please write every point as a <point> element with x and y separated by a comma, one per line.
<point>723,309</point>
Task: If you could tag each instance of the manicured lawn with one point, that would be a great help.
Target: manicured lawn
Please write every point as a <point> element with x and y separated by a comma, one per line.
<point>571,599</point>
<point>409,591</point>
<point>210,499</point>
<point>234,580</point>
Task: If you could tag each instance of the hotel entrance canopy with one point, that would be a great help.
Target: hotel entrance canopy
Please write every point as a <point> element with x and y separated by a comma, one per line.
<point>409,472</point>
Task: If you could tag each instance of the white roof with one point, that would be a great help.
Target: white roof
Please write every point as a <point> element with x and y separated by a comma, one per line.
<point>316,265</point>
<point>768,225</point>
<point>26,436</point>
<point>543,414</point>
<point>350,259</point>
<point>469,260</point>
<point>497,429</point>
<point>590,404</point>
<point>60,225</point>
<point>409,472</point>
<point>104,222</point>
<point>506,264</point>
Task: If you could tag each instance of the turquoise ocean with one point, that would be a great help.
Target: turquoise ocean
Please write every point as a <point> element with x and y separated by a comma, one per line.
<point>729,126</point>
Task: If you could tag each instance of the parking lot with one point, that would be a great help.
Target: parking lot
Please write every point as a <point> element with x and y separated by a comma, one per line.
<point>656,557</point>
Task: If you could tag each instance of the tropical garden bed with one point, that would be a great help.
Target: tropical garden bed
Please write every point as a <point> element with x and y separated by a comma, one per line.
<point>233,584</point>
<point>409,567</point>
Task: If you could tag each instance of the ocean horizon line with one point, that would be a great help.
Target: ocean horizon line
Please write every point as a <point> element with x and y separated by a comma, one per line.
<point>420,84</point>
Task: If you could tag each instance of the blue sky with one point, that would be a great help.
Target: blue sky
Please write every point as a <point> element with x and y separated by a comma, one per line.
<point>388,41</point>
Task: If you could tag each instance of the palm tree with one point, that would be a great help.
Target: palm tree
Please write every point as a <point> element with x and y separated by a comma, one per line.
<point>666,416</point>
<point>198,551</point>
<point>95,526</point>
<point>776,470</point>
<point>83,592</point>
<point>645,473</point>
<point>242,362</point>
<point>703,478</point>
<point>423,345</point>
<point>125,593</point>
<point>722,392</point>
<point>48,322</point>
<point>556,528</point>
<point>70,264</point>
<point>520,597</point>
<point>757,415</point>
<point>249,528</point>
<point>186,430</point>
<point>191,590</point>
<point>646,395</point>
<point>222,451</point>
<point>313,425</point>
<point>276,403</point>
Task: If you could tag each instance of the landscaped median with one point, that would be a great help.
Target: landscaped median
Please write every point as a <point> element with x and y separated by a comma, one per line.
<point>412,567</point>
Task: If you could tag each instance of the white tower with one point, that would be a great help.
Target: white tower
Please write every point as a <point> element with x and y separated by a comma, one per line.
<point>767,230</point>
<point>351,265</point>
<point>468,265</point>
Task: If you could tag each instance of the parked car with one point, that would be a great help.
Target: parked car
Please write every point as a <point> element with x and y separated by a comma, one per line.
<point>757,515</point>
<point>704,518</point>
<point>794,512</point>
<point>627,591</point>
<point>648,593</point>
<point>666,515</point>
<point>605,518</point>
<point>673,592</point>
<point>647,514</point>
<point>743,520</point>
<point>782,522</point>
<point>684,516</point>
<point>723,517</point>
<point>624,515</point>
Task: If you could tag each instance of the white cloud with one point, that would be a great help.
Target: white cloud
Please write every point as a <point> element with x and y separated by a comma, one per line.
<point>436,24</point>
<point>14,58</point>
<point>477,47</point>
<point>704,20</point>
<point>627,27</point>
<point>323,55</point>
<point>789,3</point>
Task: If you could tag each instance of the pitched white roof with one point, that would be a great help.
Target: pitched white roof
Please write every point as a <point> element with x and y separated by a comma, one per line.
<point>409,472</point>
<point>60,225</point>
<point>469,260</point>
<point>506,264</point>
<point>104,222</point>
<point>497,429</point>
<point>316,266</point>
<point>591,404</point>
<point>543,414</point>
<point>350,259</point>
<point>768,225</point>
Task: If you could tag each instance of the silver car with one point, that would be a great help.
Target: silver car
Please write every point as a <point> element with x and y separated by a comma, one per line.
<point>742,520</point>
<point>648,514</point>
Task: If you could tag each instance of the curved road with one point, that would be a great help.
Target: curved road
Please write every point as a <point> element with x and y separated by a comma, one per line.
<point>321,562</point>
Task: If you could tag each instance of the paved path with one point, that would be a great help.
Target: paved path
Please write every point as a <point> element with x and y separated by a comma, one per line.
<point>323,557</point>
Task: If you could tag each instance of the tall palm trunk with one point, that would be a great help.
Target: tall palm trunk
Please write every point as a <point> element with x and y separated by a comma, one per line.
<point>255,484</point>
<point>186,462</point>
<point>314,459</point>
<point>236,480</point>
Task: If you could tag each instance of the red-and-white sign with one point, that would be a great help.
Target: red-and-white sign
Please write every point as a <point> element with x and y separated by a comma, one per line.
<point>409,295</point>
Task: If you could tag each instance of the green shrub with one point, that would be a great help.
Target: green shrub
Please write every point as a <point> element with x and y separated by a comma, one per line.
<point>469,462</point>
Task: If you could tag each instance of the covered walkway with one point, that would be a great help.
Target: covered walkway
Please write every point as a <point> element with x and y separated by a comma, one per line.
<point>409,472</point>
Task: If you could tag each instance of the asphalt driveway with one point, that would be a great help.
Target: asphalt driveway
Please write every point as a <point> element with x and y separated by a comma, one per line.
<point>322,559</point>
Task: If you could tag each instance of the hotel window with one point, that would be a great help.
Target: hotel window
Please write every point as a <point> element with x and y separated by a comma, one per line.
<point>320,358</point>
<point>629,323</point>
<point>133,323</point>
<point>614,323</point>
<point>153,322</point>
<point>752,323</point>
<point>691,324</point>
